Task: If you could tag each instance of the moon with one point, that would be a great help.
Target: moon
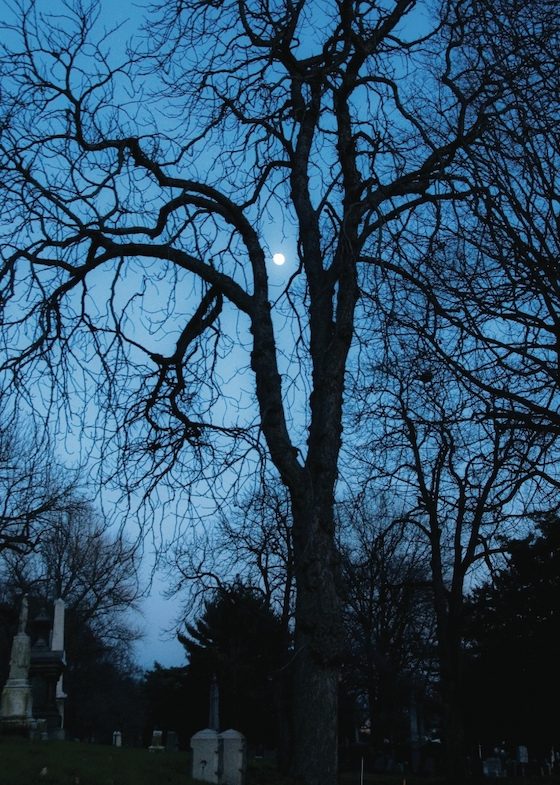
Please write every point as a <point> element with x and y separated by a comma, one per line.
<point>279,259</point>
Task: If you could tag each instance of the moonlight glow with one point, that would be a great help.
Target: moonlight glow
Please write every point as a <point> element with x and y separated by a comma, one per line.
<point>279,259</point>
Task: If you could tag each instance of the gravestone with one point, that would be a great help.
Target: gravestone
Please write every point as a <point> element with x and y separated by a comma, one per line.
<point>522,754</point>
<point>157,742</point>
<point>16,704</point>
<point>171,741</point>
<point>234,757</point>
<point>117,739</point>
<point>57,637</point>
<point>207,756</point>
<point>492,767</point>
<point>219,758</point>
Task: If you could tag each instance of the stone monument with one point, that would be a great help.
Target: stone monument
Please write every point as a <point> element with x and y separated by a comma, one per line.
<point>157,741</point>
<point>234,757</point>
<point>207,756</point>
<point>57,645</point>
<point>218,758</point>
<point>16,702</point>
<point>45,671</point>
<point>214,713</point>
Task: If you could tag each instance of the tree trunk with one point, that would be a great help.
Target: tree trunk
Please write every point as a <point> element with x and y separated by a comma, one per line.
<point>317,652</point>
<point>453,727</point>
<point>454,735</point>
<point>284,735</point>
<point>315,758</point>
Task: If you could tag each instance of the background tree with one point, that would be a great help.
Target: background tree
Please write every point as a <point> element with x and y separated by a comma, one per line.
<point>34,488</point>
<point>166,692</point>
<point>81,561</point>
<point>490,268</point>
<point>511,686</point>
<point>250,544</point>
<point>94,571</point>
<point>250,541</point>
<point>341,131</point>
<point>239,641</point>
<point>389,619</point>
<point>463,483</point>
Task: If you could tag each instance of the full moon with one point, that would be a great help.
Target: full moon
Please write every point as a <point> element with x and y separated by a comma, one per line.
<point>279,258</point>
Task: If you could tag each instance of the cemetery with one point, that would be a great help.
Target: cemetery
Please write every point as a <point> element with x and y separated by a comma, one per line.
<point>34,746</point>
<point>279,392</point>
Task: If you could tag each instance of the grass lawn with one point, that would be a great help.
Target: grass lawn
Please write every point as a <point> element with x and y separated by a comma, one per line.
<point>25,762</point>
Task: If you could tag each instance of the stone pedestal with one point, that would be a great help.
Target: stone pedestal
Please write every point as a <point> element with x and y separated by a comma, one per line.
<point>16,705</point>
<point>234,757</point>
<point>16,702</point>
<point>207,749</point>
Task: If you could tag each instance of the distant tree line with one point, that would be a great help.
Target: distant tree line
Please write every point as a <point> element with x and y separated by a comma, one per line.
<point>54,543</point>
<point>391,703</point>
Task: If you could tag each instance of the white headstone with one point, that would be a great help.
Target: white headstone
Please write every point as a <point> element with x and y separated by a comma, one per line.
<point>207,763</point>
<point>234,757</point>
<point>492,767</point>
<point>157,742</point>
<point>522,754</point>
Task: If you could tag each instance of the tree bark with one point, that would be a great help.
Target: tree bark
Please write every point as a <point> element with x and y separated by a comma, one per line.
<point>316,655</point>
<point>450,687</point>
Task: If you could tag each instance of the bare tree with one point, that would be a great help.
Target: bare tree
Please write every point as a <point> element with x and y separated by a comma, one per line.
<point>138,200</point>
<point>34,489</point>
<point>251,542</point>
<point>82,562</point>
<point>464,484</point>
<point>489,271</point>
<point>506,236</point>
<point>388,613</point>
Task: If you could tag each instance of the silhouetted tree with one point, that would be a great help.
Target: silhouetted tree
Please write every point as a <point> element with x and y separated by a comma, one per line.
<point>462,482</point>
<point>167,691</point>
<point>82,561</point>
<point>389,617</point>
<point>512,690</point>
<point>34,488</point>
<point>79,560</point>
<point>490,269</point>
<point>104,688</point>
<point>250,541</point>
<point>241,641</point>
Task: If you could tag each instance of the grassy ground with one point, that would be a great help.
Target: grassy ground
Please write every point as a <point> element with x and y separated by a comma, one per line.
<point>25,762</point>
<point>70,763</point>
